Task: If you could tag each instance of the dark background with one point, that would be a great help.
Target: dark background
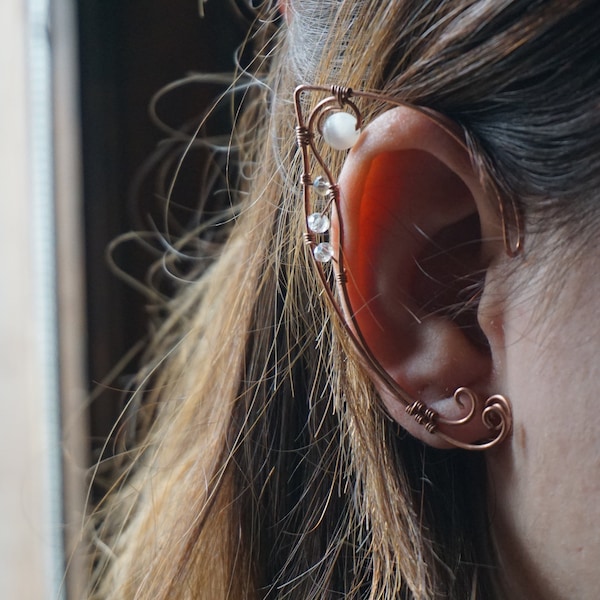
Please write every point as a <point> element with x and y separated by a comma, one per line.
<point>129,50</point>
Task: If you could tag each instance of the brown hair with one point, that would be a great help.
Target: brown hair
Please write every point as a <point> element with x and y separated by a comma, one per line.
<point>270,471</point>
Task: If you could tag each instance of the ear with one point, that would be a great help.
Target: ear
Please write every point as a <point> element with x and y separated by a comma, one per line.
<point>419,231</point>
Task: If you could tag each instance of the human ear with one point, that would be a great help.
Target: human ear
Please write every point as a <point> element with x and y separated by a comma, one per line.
<point>416,231</point>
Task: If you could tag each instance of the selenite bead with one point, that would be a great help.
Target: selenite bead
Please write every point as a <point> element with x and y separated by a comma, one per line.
<point>323,252</point>
<point>339,130</point>
<point>318,223</point>
<point>321,185</point>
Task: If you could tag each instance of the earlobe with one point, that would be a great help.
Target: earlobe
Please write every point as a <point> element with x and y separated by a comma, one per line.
<point>412,217</point>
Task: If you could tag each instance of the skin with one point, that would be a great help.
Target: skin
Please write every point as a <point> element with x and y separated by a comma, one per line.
<point>541,326</point>
<point>540,322</point>
<point>545,480</point>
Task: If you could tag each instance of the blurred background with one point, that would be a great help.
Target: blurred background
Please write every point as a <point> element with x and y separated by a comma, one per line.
<point>80,167</point>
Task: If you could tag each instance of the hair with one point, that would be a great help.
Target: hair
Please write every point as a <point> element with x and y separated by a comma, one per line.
<point>269,469</point>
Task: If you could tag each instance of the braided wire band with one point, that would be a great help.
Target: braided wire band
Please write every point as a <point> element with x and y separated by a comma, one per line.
<point>495,412</point>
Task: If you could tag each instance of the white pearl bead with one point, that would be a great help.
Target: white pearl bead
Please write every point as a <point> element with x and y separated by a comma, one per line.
<point>323,253</point>
<point>318,223</point>
<point>339,130</point>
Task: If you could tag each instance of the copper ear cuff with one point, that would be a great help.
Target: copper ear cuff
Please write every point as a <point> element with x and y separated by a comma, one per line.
<point>336,121</point>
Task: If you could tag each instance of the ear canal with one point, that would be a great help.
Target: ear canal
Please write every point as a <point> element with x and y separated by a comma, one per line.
<point>412,213</point>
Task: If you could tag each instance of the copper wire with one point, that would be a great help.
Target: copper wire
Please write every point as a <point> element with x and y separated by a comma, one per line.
<point>495,412</point>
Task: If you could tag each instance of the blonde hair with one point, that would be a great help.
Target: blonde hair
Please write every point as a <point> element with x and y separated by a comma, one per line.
<point>270,470</point>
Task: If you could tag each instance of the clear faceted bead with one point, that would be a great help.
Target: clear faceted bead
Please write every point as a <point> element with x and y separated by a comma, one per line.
<point>323,252</point>
<point>339,130</point>
<point>321,185</point>
<point>318,222</point>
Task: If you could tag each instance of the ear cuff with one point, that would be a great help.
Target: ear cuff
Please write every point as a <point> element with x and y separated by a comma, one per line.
<point>336,121</point>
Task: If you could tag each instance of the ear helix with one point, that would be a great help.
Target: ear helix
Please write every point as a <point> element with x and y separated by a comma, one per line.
<point>336,120</point>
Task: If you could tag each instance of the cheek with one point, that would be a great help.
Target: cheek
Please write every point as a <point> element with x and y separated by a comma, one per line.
<point>547,481</point>
<point>552,344</point>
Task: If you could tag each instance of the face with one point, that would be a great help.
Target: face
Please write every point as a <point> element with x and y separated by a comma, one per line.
<point>545,482</point>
